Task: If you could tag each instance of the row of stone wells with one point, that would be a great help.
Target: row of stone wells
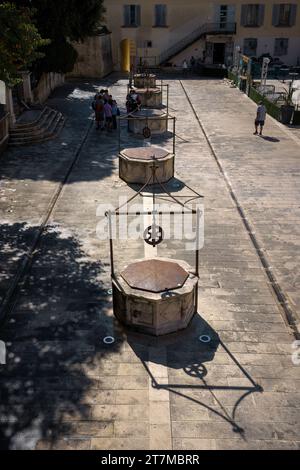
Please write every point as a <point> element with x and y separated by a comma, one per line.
<point>152,295</point>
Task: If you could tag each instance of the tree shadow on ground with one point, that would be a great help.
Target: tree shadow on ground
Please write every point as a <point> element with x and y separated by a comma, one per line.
<point>50,160</point>
<point>53,340</point>
<point>190,353</point>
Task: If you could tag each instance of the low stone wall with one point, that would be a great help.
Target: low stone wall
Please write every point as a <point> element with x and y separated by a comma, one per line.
<point>47,83</point>
<point>94,57</point>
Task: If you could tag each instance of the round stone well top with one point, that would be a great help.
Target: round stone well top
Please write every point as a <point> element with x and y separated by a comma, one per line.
<point>151,91</point>
<point>155,275</point>
<point>144,75</point>
<point>149,113</point>
<point>145,153</point>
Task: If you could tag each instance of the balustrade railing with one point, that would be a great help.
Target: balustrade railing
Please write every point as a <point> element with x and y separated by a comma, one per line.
<point>4,127</point>
<point>207,28</point>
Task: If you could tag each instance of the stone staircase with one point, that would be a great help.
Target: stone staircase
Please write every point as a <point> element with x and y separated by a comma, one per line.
<point>222,28</point>
<point>36,126</point>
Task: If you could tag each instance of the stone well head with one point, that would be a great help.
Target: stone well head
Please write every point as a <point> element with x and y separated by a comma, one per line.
<point>144,80</point>
<point>136,165</point>
<point>155,296</point>
<point>151,97</point>
<point>154,119</point>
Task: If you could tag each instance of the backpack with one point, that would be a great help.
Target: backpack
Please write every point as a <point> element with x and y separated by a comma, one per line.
<point>99,107</point>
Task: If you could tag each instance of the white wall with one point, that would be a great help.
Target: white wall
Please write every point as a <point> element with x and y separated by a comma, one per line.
<point>94,57</point>
<point>48,82</point>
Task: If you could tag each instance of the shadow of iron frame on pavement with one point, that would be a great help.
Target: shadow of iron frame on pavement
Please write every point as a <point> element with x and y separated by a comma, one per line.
<point>177,388</point>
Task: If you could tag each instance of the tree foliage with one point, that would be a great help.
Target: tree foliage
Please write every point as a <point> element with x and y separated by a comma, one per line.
<point>64,21</point>
<point>20,41</point>
<point>59,57</point>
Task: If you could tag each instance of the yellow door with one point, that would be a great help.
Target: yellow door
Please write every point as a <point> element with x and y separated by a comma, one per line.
<point>128,53</point>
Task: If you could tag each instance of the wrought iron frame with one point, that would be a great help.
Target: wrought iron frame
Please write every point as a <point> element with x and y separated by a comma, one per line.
<point>131,117</point>
<point>167,194</point>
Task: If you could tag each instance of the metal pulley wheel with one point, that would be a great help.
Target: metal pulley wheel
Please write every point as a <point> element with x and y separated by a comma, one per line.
<point>153,235</point>
<point>146,132</point>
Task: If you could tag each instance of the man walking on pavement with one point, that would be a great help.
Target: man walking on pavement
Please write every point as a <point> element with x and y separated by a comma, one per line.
<point>260,118</point>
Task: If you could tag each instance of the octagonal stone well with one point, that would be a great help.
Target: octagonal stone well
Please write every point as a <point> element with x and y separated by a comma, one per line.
<point>135,164</point>
<point>155,119</point>
<point>151,97</point>
<point>142,80</point>
<point>155,296</point>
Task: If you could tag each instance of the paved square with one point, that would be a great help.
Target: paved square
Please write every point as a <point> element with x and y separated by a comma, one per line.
<point>62,388</point>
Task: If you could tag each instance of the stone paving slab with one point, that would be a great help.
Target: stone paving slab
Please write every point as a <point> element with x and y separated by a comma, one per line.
<point>264,173</point>
<point>31,175</point>
<point>62,388</point>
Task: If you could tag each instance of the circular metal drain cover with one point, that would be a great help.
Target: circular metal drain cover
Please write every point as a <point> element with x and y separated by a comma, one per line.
<point>108,340</point>
<point>153,235</point>
<point>205,339</point>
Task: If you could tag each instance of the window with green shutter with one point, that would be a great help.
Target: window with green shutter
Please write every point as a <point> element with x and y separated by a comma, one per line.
<point>284,14</point>
<point>281,46</point>
<point>132,15</point>
<point>252,15</point>
<point>160,15</point>
<point>250,47</point>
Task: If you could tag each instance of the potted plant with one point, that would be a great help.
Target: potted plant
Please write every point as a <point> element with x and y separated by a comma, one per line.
<point>288,108</point>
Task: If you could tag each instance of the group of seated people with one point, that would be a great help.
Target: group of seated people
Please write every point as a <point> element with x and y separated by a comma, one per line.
<point>133,101</point>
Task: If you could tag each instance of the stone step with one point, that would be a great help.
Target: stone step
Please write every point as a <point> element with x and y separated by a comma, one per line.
<point>38,128</point>
<point>32,124</point>
<point>34,133</point>
<point>40,139</point>
<point>52,127</point>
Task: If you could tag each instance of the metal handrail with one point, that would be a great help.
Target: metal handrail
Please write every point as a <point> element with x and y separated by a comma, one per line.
<point>4,117</point>
<point>4,126</point>
<point>196,34</point>
<point>265,89</point>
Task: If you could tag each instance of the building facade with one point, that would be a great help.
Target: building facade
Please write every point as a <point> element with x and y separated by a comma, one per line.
<point>174,30</point>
